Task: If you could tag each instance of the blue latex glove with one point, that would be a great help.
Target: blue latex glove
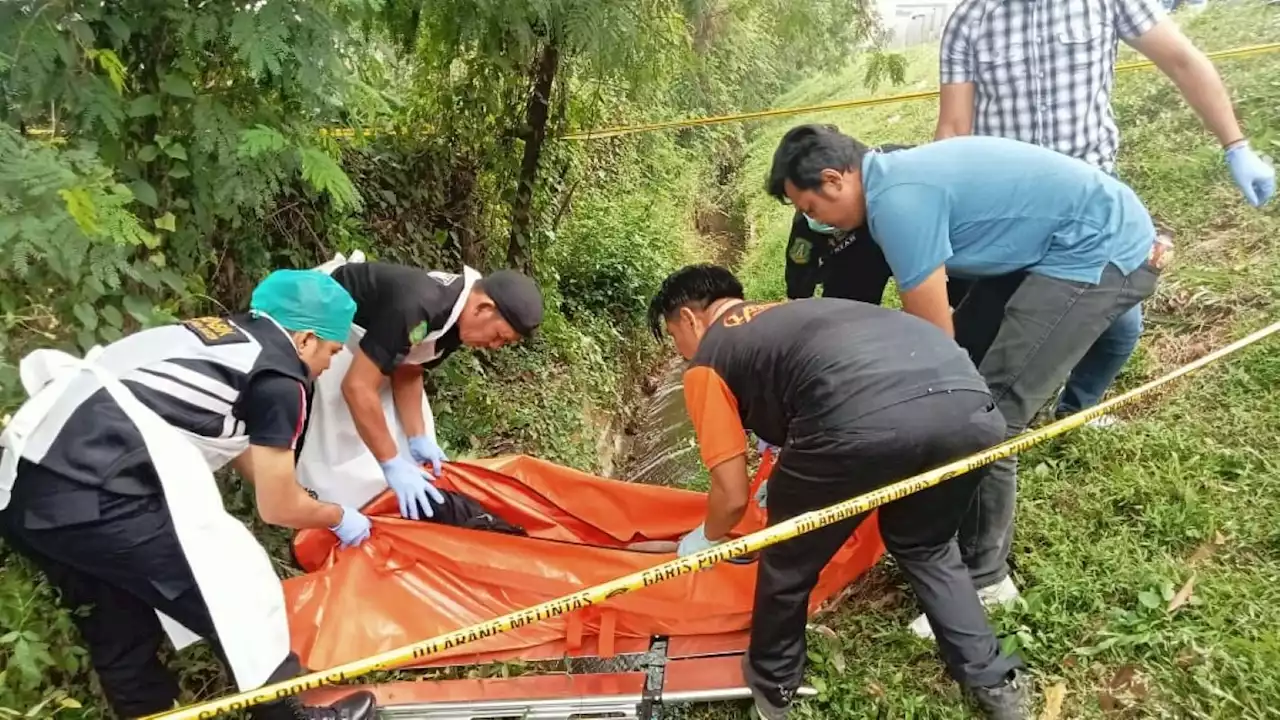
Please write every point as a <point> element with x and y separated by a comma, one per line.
<point>762,446</point>
<point>353,529</point>
<point>693,542</point>
<point>1255,178</point>
<point>762,494</point>
<point>412,485</point>
<point>425,450</point>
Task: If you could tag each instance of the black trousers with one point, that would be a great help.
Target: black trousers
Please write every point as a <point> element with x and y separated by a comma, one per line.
<point>123,568</point>
<point>919,531</point>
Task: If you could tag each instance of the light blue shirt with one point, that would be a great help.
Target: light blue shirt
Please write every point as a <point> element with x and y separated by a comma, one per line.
<point>988,206</point>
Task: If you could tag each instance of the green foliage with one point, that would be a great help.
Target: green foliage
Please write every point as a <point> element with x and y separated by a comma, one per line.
<point>68,245</point>
<point>40,656</point>
<point>623,238</point>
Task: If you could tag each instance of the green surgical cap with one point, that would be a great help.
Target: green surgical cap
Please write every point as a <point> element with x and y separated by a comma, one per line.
<point>306,300</point>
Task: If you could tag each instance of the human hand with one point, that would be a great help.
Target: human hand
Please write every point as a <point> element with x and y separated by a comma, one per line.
<point>412,485</point>
<point>353,528</point>
<point>1255,178</point>
<point>425,450</point>
<point>695,541</point>
<point>762,446</point>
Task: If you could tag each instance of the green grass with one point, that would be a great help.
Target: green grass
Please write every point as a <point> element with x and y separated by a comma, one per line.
<point>1112,523</point>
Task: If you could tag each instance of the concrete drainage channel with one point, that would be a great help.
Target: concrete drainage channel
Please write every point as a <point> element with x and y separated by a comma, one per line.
<point>662,450</point>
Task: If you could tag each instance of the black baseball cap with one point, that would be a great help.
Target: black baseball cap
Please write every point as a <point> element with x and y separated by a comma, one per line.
<point>517,298</point>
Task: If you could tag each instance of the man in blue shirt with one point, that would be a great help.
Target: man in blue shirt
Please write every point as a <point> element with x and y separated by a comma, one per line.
<point>1056,249</point>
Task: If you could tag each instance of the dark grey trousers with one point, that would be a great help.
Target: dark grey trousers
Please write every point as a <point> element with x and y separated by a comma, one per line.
<point>1025,333</point>
<point>918,530</point>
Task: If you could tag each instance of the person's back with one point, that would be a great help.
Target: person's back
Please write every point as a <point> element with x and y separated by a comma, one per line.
<point>996,206</point>
<point>804,367</point>
<point>858,397</point>
<point>194,375</point>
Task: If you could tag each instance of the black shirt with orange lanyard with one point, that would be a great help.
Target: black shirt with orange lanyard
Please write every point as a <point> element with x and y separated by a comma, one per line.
<point>794,372</point>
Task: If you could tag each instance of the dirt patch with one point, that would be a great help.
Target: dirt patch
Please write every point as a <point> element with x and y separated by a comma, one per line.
<point>877,590</point>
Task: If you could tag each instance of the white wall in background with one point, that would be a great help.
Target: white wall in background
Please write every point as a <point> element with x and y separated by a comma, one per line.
<point>913,22</point>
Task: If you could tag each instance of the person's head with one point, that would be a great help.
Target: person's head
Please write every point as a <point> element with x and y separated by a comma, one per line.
<point>312,307</point>
<point>819,170</point>
<point>501,309</point>
<point>687,303</point>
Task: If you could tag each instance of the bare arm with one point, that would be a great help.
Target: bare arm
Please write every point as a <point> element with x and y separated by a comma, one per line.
<point>928,300</point>
<point>727,501</point>
<point>280,499</point>
<point>1194,74</point>
<point>955,110</point>
<point>406,389</point>
<point>360,390</point>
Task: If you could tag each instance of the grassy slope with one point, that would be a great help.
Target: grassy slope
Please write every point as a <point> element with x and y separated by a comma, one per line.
<point>1113,523</point>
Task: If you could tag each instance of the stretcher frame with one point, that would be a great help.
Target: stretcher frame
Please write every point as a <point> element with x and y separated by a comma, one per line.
<point>672,671</point>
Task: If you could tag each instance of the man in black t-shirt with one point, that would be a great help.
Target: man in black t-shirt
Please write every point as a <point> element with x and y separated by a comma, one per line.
<point>371,426</point>
<point>857,397</point>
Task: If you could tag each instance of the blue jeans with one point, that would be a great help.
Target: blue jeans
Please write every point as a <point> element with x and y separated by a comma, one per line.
<point>1099,367</point>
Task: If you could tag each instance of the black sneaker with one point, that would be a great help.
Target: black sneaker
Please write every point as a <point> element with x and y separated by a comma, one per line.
<point>1006,701</point>
<point>360,705</point>
<point>776,707</point>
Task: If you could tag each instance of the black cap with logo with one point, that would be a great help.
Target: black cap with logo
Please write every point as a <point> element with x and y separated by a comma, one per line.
<point>517,298</point>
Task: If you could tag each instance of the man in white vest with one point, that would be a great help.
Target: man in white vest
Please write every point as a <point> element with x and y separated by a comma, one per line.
<point>106,485</point>
<point>371,426</point>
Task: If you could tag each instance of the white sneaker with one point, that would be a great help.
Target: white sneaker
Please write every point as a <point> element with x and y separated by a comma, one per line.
<point>1104,421</point>
<point>1002,593</point>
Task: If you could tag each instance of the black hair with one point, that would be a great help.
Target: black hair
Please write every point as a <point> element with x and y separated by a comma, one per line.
<point>691,286</point>
<point>805,151</point>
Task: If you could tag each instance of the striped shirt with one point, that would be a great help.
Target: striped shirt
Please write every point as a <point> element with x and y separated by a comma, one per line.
<point>1043,70</point>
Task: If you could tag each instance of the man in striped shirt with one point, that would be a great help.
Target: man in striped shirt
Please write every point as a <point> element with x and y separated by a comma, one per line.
<point>1042,73</point>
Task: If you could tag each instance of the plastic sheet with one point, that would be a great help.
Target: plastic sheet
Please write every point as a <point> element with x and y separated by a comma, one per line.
<point>414,580</point>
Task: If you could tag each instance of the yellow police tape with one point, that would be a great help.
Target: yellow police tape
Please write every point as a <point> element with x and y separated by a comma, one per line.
<point>692,563</point>
<point>602,133</point>
<point>862,102</point>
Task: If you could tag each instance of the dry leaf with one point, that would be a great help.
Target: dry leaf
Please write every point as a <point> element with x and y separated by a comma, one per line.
<point>824,631</point>
<point>1201,554</point>
<point>875,690</point>
<point>1187,658</point>
<point>1053,698</point>
<point>1207,549</point>
<point>1125,690</point>
<point>1183,595</point>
